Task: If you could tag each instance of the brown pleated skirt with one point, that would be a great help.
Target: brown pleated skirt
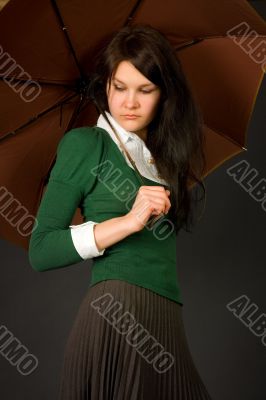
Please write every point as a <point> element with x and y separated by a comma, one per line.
<point>128,343</point>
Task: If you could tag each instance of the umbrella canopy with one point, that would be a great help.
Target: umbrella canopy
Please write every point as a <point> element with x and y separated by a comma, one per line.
<point>46,57</point>
<point>3,3</point>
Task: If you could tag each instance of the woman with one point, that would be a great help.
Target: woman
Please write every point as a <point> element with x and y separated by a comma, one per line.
<point>128,340</point>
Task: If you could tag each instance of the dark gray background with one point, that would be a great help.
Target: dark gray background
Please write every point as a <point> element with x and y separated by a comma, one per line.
<point>223,259</point>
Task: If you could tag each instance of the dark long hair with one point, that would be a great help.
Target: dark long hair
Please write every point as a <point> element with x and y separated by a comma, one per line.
<point>175,135</point>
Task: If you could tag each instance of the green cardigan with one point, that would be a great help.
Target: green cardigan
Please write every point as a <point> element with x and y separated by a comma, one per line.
<point>91,173</point>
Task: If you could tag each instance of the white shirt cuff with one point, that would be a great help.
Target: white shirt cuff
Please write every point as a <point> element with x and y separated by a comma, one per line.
<point>84,240</point>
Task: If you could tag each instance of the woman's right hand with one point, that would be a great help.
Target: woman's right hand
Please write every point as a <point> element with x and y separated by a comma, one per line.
<point>150,200</point>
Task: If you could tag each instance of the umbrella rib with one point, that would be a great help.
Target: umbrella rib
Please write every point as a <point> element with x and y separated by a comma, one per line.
<point>43,82</point>
<point>227,137</point>
<point>133,12</point>
<point>64,28</point>
<point>33,119</point>
<point>189,43</point>
<point>75,113</point>
<point>200,39</point>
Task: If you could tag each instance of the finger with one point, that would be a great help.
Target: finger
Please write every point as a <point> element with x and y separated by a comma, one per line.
<point>153,188</point>
<point>161,198</point>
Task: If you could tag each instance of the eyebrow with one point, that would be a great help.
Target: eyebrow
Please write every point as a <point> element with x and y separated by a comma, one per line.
<point>146,84</point>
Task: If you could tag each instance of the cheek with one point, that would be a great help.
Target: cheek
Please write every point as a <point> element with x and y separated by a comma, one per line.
<point>151,104</point>
<point>114,100</point>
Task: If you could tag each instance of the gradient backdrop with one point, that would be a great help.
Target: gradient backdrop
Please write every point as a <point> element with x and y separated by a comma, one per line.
<point>222,262</point>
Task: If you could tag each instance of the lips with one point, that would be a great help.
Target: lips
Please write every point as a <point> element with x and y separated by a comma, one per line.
<point>130,116</point>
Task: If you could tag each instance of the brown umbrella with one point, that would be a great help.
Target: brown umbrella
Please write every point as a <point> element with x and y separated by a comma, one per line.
<point>46,57</point>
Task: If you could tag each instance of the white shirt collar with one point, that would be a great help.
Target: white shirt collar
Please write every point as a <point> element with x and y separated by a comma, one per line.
<point>126,136</point>
<point>136,145</point>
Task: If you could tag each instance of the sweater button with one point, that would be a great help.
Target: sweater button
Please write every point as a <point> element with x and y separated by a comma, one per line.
<point>151,160</point>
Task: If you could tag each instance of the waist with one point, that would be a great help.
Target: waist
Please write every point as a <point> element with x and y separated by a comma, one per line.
<point>160,277</point>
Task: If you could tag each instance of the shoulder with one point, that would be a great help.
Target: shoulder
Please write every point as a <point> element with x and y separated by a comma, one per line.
<point>84,144</point>
<point>78,151</point>
<point>81,139</point>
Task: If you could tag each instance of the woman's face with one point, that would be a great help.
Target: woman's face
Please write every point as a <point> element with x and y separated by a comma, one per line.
<point>131,93</point>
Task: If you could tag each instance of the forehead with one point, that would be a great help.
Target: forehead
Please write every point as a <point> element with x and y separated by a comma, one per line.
<point>128,74</point>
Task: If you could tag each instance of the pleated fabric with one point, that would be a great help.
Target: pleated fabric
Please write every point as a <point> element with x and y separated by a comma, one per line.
<point>128,343</point>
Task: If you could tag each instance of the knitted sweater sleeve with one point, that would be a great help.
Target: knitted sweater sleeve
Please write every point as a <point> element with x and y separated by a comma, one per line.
<point>51,245</point>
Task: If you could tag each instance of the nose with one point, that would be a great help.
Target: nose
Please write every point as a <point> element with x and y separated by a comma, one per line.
<point>131,100</point>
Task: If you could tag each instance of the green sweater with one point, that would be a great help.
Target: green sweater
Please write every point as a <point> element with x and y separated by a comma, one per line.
<point>91,173</point>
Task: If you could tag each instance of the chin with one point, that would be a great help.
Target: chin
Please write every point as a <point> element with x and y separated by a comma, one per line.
<point>130,125</point>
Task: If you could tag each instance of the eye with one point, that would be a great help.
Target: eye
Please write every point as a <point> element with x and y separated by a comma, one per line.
<point>118,88</point>
<point>146,91</point>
